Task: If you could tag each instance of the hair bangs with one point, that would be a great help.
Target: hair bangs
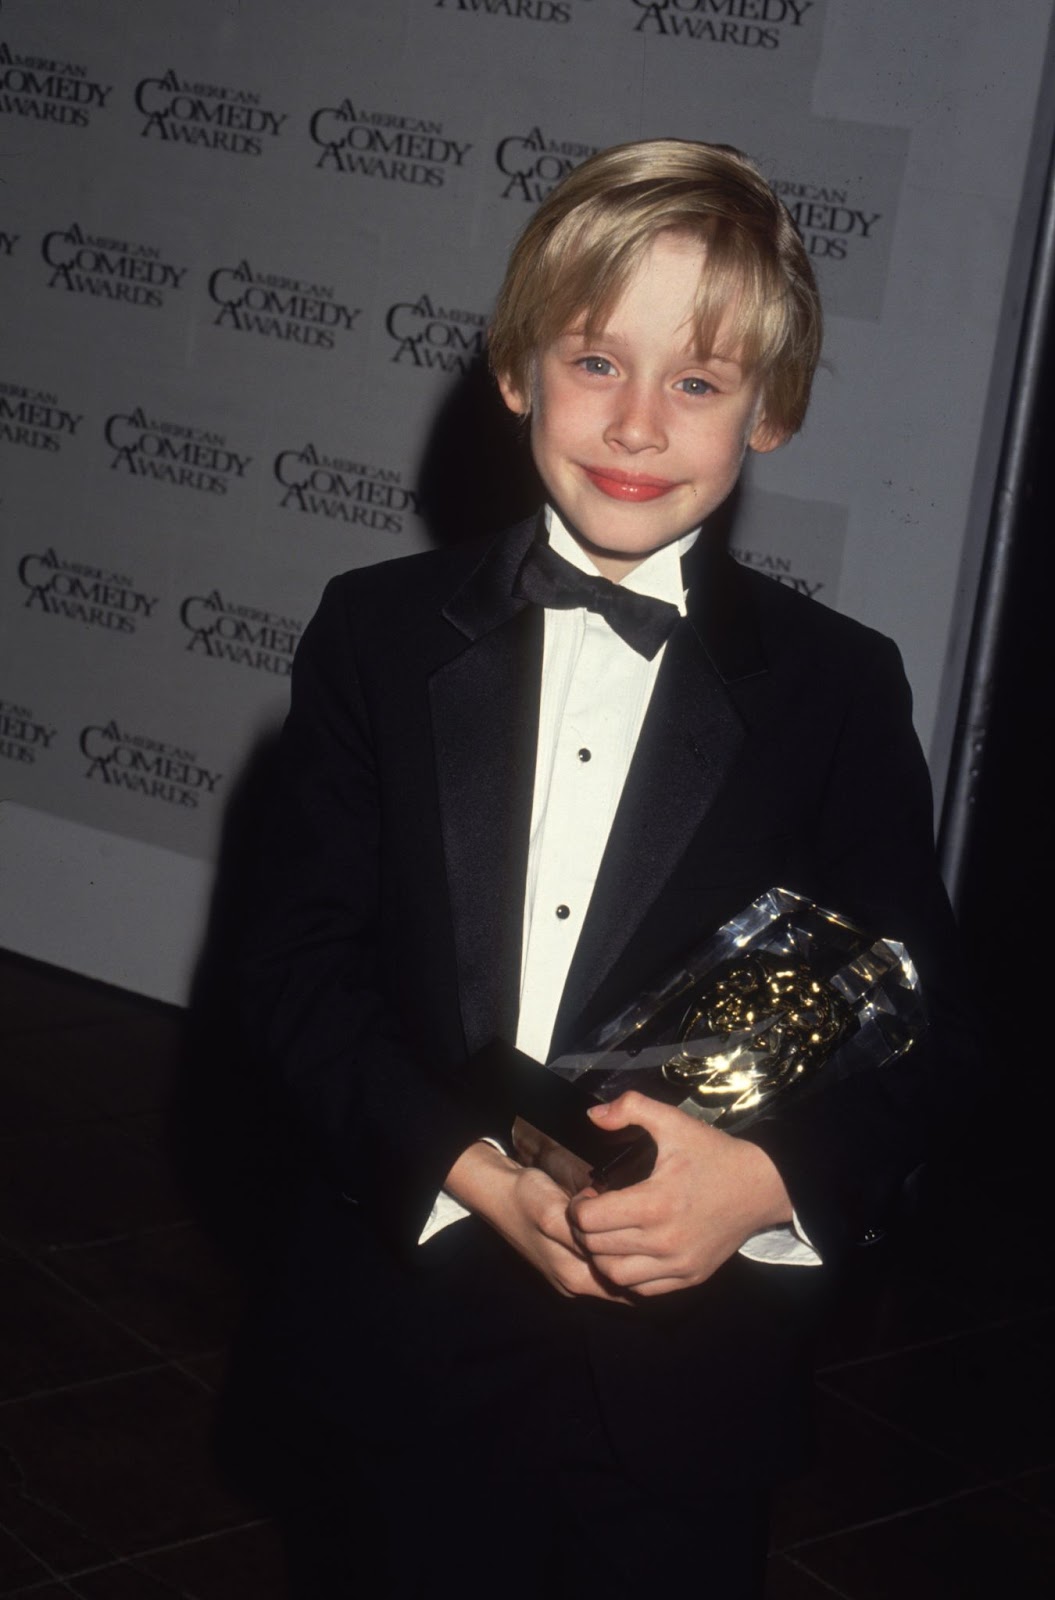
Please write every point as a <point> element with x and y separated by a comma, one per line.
<point>757,301</point>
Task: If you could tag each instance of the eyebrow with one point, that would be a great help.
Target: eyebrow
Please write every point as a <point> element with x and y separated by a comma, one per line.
<point>610,336</point>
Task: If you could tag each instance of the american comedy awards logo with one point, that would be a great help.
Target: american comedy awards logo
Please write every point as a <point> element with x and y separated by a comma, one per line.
<point>350,492</point>
<point>23,737</point>
<point>35,419</point>
<point>365,143</point>
<point>826,217</point>
<point>525,10</point>
<point>146,766</point>
<point>82,593</point>
<point>276,307</point>
<point>429,335</point>
<point>225,630</point>
<point>532,163</point>
<point>109,269</point>
<point>202,114</point>
<point>177,453</point>
<point>754,24</point>
<point>49,91</point>
<point>842,185</point>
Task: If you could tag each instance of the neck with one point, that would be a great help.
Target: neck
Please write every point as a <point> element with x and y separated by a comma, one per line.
<point>614,568</point>
<point>610,564</point>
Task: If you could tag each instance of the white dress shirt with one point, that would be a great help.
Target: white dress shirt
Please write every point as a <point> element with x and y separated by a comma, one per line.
<point>595,692</point>
<point>594,696</point>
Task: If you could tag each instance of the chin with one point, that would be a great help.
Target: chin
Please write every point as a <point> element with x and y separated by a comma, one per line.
<point>635,545</point>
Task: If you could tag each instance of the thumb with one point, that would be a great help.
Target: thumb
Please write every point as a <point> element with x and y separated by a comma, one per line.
<point>633,1107</point>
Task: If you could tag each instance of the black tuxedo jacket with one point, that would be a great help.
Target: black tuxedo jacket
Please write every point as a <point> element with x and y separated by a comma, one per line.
<point>777,749</point>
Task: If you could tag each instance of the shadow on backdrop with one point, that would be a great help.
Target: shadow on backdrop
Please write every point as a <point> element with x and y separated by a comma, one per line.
<point>476,475</point>
<point>237,1149</point>
<point>234,1150</point>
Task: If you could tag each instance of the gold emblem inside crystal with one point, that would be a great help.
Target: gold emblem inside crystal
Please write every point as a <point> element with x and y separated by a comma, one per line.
<point>777,1018</point>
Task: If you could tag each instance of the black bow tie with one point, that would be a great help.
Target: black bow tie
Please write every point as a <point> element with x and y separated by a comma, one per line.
<point>643,622</point>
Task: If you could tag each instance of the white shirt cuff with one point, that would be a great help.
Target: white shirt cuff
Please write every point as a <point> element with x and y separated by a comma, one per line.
<point>788,1246</point>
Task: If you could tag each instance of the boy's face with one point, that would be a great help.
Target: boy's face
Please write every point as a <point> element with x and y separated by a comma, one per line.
<point>636,439</point>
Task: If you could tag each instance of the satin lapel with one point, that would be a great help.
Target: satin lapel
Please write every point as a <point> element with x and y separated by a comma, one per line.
<point>484,705</point>
<point>712,673</point>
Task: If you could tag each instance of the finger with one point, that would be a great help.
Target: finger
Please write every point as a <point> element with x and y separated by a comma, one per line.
<point>634,1107</point>
<point>586,1280</point>
<point>569,1272</point>
<point>623,1242</point>
<point>639,1206</point>
<point>554,1222</point>
<point>606,1289</point>
<point>564,1239</point>
<point>588,1227</point>
<point>639,1274</point>
<point>659,1286</point>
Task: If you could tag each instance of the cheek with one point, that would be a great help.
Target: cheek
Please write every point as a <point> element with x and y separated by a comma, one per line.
<point>734,448</point>
<point>555,421</point>
<point>544,451</point>
<point>539,434</point>
<point>720,457</point>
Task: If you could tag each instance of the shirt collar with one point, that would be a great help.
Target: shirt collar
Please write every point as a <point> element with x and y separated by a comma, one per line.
<point>658,576</point>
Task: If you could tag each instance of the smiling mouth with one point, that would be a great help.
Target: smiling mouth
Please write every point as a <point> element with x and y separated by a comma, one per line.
<point>628,485</point>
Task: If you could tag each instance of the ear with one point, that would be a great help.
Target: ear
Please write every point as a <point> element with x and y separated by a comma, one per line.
<point>766,436</point>
<point>513,395</point>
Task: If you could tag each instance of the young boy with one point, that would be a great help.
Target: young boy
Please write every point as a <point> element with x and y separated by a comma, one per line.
<point>520,780</point>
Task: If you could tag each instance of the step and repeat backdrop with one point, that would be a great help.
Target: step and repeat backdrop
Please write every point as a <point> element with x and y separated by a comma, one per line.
<point>247,256</point>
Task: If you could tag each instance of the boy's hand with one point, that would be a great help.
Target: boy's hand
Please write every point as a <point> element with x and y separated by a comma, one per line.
<point>530,1211</point>
<point>707,1193</point>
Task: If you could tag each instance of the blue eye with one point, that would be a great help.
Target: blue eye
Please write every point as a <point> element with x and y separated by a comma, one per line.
<point>598,366</point>
<point>695,386</point>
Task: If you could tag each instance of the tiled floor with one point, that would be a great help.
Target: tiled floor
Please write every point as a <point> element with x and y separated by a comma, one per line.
<point>936,1476</point>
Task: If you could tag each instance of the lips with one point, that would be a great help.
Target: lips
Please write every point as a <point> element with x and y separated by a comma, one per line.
<point>628,485</point>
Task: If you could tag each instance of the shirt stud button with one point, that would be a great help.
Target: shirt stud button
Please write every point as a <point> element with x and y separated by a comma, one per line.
<point>562,912</point>
<point>584,754</point>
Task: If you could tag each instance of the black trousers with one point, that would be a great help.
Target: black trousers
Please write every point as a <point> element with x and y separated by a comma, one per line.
<point>469,1449</point>
<point>519,1492</point>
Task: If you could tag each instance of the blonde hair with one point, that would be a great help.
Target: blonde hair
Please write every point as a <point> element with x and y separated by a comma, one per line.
<point>574,258</point>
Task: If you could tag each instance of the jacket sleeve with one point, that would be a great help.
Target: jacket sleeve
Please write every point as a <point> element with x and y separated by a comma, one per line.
<point>846,1151</point>
<point>317,1004</point>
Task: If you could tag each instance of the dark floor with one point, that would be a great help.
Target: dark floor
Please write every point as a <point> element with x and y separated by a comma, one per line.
<point>937,1471</point>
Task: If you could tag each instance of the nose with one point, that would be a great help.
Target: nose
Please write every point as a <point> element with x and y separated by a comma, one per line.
<point>637,420</point>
